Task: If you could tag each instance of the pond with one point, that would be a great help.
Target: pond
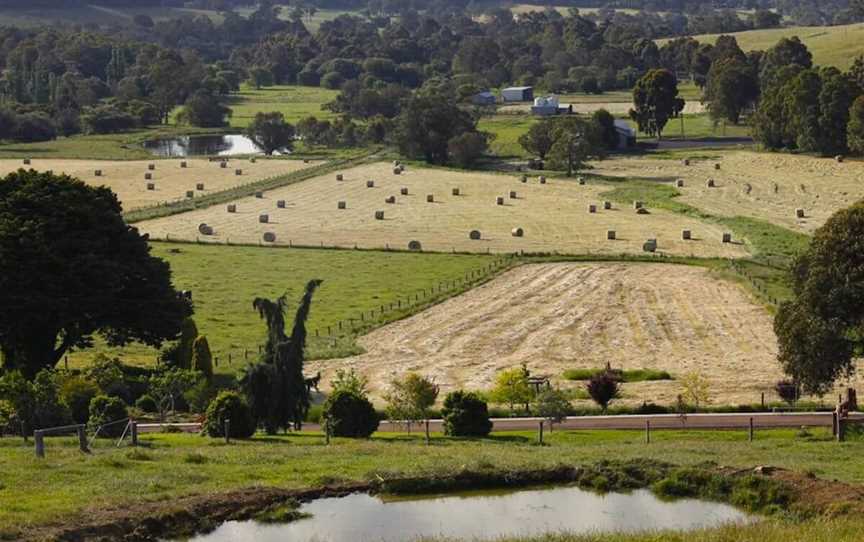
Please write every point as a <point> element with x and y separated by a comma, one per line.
<point>361,517</point>
<point>202,145</point>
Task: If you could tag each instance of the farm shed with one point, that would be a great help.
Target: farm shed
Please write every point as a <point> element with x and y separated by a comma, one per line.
<point>517,94</point>
<point>626,134</point>
<point>483,98</point>
<point>547,106</point>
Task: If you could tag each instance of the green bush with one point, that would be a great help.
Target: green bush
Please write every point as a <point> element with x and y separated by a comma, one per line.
<point>104,410</point>
<point>147,404</point>
<point>76,393</point>
<point>202,359</point>
<point>465,414</point>
<point>350,414</point>
<point>229,405</point>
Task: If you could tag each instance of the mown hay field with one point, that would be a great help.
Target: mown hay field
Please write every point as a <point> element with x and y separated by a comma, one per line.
<point>561,316</point>
<point>127,178</point>
<point>770,187</point>
<point>553,216</point>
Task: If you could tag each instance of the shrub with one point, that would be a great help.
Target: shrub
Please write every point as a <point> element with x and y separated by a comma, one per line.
<point>332,80</point>
<point>229,405</point>
<point>350,414</point>
<point>465,415</point>
<point>202,359</point>
<point>466,148</point>
<point>104,410</point>
<point>603,388</point>
<point>787,390</point>
<point>200,395</point>
<point>552,405</point>
<point>146,403</point>
<point>76,393</point>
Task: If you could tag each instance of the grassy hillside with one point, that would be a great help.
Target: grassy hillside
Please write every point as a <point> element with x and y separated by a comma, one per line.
<point>831,45</point>
<point>88,14</point>
<point>295,102</point>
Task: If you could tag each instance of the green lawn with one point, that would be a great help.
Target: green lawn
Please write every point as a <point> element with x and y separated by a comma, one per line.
<point>294,102</point>
<point>697,126</point>
<point>34,491</point>
<point>507,129</point>
<point>225,279</point>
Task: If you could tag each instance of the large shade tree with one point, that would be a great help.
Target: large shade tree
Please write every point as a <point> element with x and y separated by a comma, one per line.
<point>275,385</point>
<point>71,268</point>
<point>271,133</point>
<point>655,101</point>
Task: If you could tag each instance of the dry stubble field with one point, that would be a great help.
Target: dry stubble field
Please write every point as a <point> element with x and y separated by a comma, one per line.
<point>554,216</point>
<point>560,316</point>
<point>126,178</point>
<point>760,185</point>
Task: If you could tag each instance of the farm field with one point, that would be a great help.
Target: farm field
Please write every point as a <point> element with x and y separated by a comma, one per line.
<point>587,107</point>
<point>91,14</point>
<point>560,316</point>
<point>765,186</point>
<point>225,279</point>
<point>126,178</point>
<point>831,45</point>
<point>554,216</point>
<point>294,102</point>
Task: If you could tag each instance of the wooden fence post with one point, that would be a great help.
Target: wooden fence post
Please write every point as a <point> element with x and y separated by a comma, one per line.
<point>841,429</point>
<point>39,439</point>
<point>227,431</point>
<point>82,438</point>
<point>134,433</point>
<point>834,423</point>
<point>750,433</point>
<point>647,431</point>
<point>540,432</point>
<point>428,440</point>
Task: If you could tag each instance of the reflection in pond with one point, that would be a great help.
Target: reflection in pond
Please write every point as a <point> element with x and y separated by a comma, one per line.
<point>202,145</point>
<point>361,517</point>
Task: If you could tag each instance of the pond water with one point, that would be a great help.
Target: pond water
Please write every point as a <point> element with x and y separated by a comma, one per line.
<point>365,518</point>
<point>202,145</point>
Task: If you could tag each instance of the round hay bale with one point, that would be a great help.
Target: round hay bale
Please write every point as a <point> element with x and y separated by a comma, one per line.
<point>717,166</point>
<point>184,165</point>
<point>401,167</point>
<point>339,177</point>
<point>637,204</point>
<point>98,172</point>
<point>610,235</point>
<point>26,161</point>
<point>396,163</point>
<point>607,205</point>
<point>379,215</point>
<point>404,190</point>
<point>263,219</point>
<point>370,184</point>
<point>341,205</point>
<point>581,180</point>
<point>456,192</point>
<point>430,198</point>
<point>686,235</point>
<point>391,200</point>
<point>238,172</point>
<point>414,245</point>
<point>151,186</point>
<point>512,194</point>
<point>710,183</point>
<point>686,162</point>
<point>397,171</point>
<point>517,232</point>
<point>650,245</point>
<point>542,179</point>
<point>727,237</point>
<point>524,178</point>
<point>151,167</point>
<point>204,229</point>
<point>642,211</point>
<point>679,183</point>
<point>190,194</point>
<point>148,176</point>
<point>499,200</point>
<point>592,208</point>
<point>839,158</point>
<point>799,213</point>
<point>259,195</point>
<point>199,186</point>
<point>280,204</point>
<point>223,165</point>
<point>232,208</point>
<point>305,160</point>
<point>474,235</point>
<point>253,160</point>
<point>269,237</point>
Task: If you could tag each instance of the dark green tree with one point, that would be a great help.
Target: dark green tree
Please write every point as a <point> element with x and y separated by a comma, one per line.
<point>81,271</point>
<point>732,87</point>
<point>275,386</point>
<point>426,125</point>
<point>465,414</point>
<point>202,359</point>
<point>575,141</point>
<point>655,101</point>
<point>819,330</point>
<point>465,149</point>
<point>538,139</point>
<point>350,414</point>
<point>855,130</point>
<point>270,132</point>
<point>835,100</point>
<point>787,52</point>
<point>604,126</point>
<point>206,110</point>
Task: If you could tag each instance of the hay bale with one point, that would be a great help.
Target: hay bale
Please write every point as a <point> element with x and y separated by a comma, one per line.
<point>727,237</point>
<point>151,186</point>
<point>517,232</point>
<point>592,208</point>
<point>26,161</point>
<point>679,183</point>
<point>238,172</point>
<point>610,235</point>
<point>263,219</point>
<point>199,186</point>
<point>748,188</point>
<point>151,167</point>
<point>259,195</point>
<point>341,205</point>
<point>474,235</point>
<point>204,229</point>
<point>184,165</point>
<point>499,200</point>
<point>607,205</point>
<point>148,176</point>
<point>232,208</point>
<point>305,160</point>
<point>98,172</point>
<point>642,211</point>
<point>686,162</point>
<point>637,204</point>
<point>650,245</point>
<point>223,164</point>
<point>339,177</point>
<point>396,163</point>
<point>379,215</point>
<point>280,204</point>
<point>839,158</point>
<point>542,179</point>
<point>414,245</point>
<point>717,167</point>
<point>456,192</point>
<point>269,237</point>
<point>524,178</point>
<point>370,184</point>
<point>404,190</point>
<point>391,200</point>
<point>686,235</point>
<point>253,160</point>
<point>710,183</point>
<point>397,171</point>
<point>190,194</point>
<point>401,167</point>
<point>430,198</point>
<point>799,213</point>
<point>581,180</point>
